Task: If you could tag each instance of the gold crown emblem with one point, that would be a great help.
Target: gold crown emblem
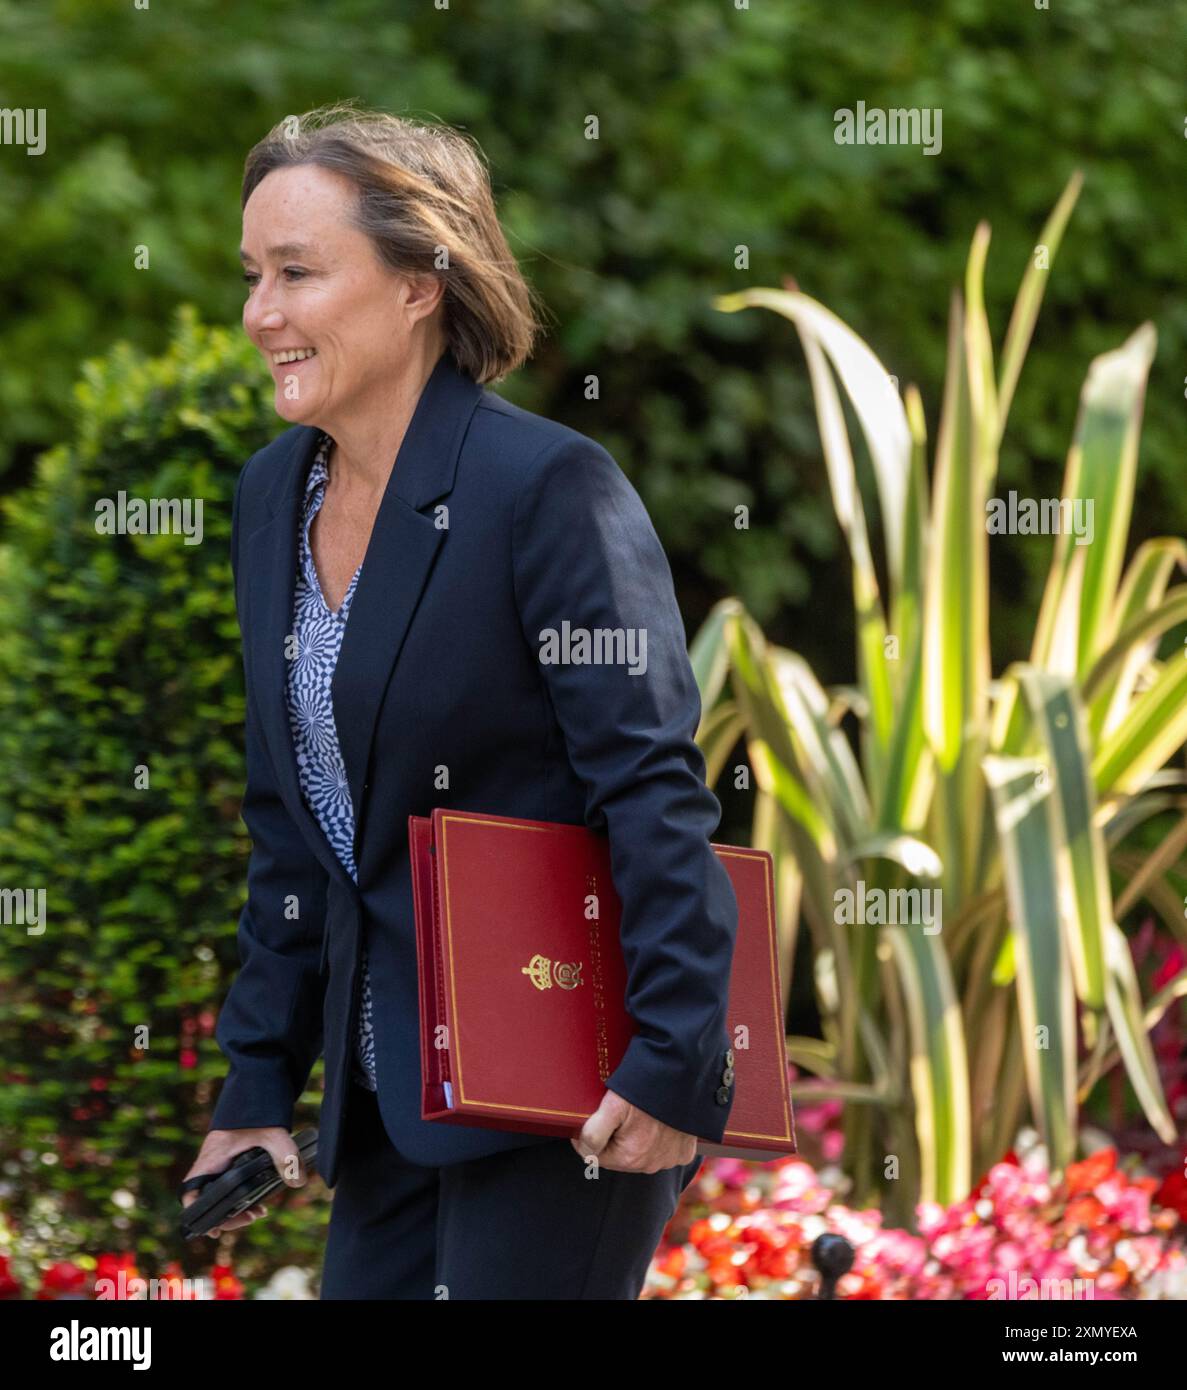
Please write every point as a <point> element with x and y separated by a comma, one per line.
<point>543,973</point>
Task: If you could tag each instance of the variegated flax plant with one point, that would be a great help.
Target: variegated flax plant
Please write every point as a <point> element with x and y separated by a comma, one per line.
<point>1017,797</point>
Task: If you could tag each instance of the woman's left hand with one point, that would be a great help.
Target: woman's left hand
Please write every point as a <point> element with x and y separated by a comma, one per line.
<point>628,1140</point>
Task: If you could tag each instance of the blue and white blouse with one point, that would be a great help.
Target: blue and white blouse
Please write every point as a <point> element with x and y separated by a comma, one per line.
<point>322,773</point>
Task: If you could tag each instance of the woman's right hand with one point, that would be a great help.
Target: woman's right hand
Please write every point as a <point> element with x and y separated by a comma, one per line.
<point>221,1145</point>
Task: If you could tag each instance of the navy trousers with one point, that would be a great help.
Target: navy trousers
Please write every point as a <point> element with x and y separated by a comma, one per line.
<point>523,1224</point>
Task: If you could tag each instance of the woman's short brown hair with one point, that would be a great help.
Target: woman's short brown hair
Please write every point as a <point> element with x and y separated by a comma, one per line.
<point>423,190</point>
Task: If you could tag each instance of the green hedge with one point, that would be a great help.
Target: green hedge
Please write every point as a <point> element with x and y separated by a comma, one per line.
<point>120,652</point>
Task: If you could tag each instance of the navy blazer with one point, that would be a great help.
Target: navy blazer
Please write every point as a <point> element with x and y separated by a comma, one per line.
<point>495,525</point>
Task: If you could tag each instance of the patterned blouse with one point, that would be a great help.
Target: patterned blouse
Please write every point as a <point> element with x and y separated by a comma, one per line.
<point>311,717</point>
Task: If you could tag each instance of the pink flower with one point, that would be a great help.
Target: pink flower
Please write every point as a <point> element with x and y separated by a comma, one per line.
<point>1125,1204</point>
<point>931,1218</point>
<point>732,1172</point>
<point>814,1118</point>
<point>832,1145</point>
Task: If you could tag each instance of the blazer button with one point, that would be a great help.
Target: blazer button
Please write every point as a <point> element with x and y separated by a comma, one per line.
<point>729,1057</point>
<point>727,1076</point>
<point>723,1095</point>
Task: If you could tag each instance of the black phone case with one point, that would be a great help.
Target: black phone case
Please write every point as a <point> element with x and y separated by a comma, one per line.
<point>248,1179</point>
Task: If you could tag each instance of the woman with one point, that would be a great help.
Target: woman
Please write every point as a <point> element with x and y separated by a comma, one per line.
<point>398,555</point>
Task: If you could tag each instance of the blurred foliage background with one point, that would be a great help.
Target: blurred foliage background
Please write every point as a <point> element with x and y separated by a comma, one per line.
<point>715,133</point>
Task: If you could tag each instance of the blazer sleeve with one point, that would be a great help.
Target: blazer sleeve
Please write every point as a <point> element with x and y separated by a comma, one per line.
<point>585,551</point>
<point>270,1025</point>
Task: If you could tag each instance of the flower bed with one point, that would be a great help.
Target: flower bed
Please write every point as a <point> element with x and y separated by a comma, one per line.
<point>745,1230</point>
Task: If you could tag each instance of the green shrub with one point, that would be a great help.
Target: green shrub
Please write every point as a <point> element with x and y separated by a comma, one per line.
<point>119,653</point>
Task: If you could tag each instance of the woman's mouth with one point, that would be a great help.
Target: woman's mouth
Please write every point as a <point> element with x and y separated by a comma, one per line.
<point>286,355</point>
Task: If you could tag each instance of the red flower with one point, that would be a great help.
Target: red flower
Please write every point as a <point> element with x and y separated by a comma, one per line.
<point>1084,1176</point>
<point>870,1286</point>
<point>108,1266</point>
<point>63,1277</point>
<point>226,1285</point>
<point>722,1271</point>
<point>1172,963</point>
<point>189,1058</point>
<point>1084,1210</point>
<point>9,1288</point>
<point>781,1263</point>
<point>1173,1193</point>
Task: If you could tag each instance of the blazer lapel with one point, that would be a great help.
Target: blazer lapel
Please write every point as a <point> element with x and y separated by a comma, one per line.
<point>400,554</point>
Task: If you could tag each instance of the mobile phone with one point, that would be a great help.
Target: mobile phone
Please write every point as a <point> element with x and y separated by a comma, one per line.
<point>248,1179</point>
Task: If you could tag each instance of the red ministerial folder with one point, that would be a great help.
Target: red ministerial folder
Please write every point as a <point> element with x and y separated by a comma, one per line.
<point>522,995</point>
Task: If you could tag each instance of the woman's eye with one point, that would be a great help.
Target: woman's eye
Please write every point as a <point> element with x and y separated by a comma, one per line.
<point>250,277</point>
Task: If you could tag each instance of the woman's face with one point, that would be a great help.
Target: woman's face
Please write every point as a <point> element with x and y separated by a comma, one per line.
<point>317,289</point>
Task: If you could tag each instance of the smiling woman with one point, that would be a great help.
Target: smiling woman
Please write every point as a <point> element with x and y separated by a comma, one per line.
<point>400,554</point>
<point>417,201</point>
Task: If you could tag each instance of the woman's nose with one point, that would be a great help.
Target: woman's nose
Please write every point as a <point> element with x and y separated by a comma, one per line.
<point>260,314</point>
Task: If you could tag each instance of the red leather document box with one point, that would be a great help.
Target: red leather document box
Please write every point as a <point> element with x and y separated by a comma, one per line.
<point>523,981</point>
